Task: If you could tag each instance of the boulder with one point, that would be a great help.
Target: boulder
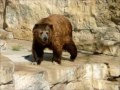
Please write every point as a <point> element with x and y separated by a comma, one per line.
<point>6,73</point>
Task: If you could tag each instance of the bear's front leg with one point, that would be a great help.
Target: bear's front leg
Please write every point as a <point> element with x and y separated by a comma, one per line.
<point>37,55</point>
<point>34,57</point>
<point>57,55</point>
<point>40,56</point>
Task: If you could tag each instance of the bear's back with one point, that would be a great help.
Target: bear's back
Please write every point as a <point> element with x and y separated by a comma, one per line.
<point>61,25</point>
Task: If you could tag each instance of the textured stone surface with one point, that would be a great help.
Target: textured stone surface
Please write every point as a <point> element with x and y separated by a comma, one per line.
<point>6,74</point>
<point>87,72</point>
<point>6,35</point>
<point>65,77</point>
<point>19,12</point>
<point>7,87</point>
<point>92,21</point>
<point>30,78</point>
<point>96,25</point>
<point>2,6</point>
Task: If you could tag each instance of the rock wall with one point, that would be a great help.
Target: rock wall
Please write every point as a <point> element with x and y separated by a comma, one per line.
<point>93,21</point>
<point>2,8</point>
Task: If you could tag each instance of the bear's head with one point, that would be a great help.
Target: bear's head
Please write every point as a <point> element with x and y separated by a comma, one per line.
<point>42,33</point>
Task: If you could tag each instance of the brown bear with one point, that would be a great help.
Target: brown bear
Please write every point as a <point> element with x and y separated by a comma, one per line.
<point>53,32</point>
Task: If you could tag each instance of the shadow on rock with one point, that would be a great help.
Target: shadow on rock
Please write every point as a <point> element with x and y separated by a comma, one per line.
<point>47,57</point>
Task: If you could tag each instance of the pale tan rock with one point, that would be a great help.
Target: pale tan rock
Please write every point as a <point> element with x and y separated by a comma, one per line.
<point>86,73</point>
<point>28,77</point>
<point>22,33</point>
<point>7,87</point>
<point>105,85</point>
<point>84,40</point>
<point>6,73</point>
<point>2,7</point>
<point>29,12</point>
<point>109,43</point>
<point>114,70</point>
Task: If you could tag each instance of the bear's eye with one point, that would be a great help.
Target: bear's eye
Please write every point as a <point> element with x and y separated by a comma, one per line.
<point>46,32</point>
<point>41,32</point>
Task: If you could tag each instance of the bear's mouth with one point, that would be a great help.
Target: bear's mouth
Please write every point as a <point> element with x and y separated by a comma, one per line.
<point>44,42</point>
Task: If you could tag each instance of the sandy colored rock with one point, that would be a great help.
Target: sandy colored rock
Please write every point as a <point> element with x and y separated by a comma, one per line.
<point>88,18</point>
<point>33,78</point>
<point>29,12</point>
<point>87,72</point>
<point>96,26</point>
<point>6,73</point>
<point>2,7</point>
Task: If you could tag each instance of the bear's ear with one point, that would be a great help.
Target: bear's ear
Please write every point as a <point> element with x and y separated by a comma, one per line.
<point>49,27</point>
<point>35,26</point>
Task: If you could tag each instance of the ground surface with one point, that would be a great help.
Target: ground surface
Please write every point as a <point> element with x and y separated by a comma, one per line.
<point>99,65</point>
<point>24,55</point>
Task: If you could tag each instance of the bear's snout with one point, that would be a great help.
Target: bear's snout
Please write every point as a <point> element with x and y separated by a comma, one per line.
<point>45,39</point>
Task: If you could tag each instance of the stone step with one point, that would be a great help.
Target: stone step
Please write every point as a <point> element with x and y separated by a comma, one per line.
<point>97,74</point>
<point>87,72</point>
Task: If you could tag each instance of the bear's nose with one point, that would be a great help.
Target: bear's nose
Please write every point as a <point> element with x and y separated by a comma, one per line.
<point>45,38</point>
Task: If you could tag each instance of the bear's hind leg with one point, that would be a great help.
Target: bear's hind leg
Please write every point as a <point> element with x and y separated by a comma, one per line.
<point>71,48</point>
